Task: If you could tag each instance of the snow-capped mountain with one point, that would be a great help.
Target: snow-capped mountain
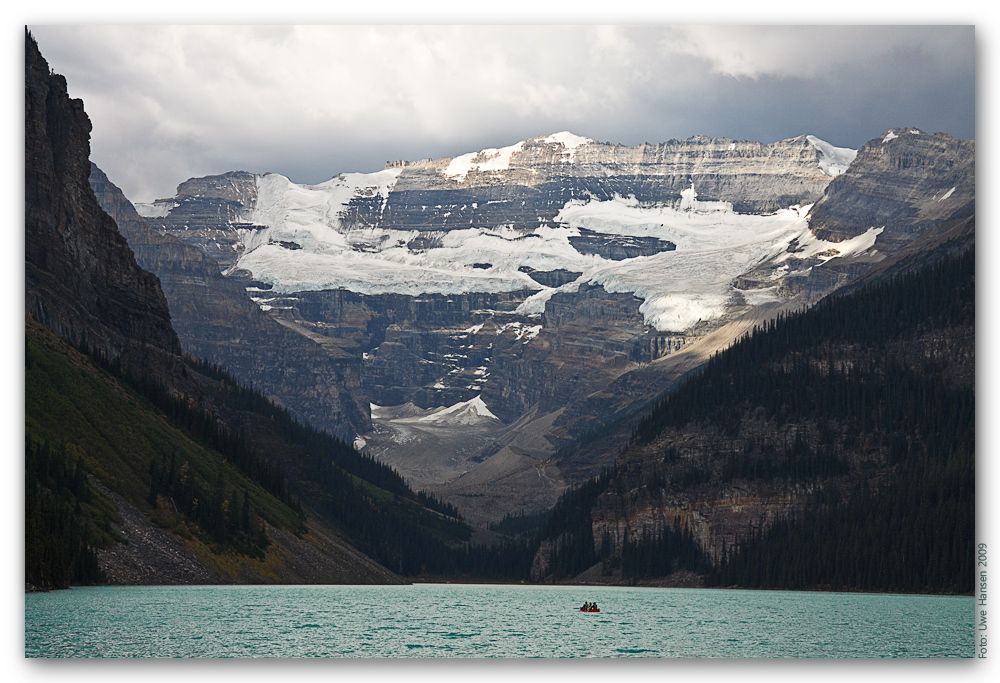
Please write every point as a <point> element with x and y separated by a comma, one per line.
<point>559,280</point>
<point>361,232</point>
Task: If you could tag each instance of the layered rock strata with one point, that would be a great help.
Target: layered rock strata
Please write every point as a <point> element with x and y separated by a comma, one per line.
<point>906,181</point>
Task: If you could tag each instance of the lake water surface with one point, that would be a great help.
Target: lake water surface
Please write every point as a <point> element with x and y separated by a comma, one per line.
<point>460,620</point>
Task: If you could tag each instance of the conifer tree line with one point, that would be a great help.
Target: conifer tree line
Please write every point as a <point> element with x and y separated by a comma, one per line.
<point>65,521</point>
<point>569,527</point>
<point>318,444</point>
<point>940,296</point>
<point>914,535</point>
<point>841,377</point>
<point>222,510</point>
<point>328,472</point>
<point>205,429</point>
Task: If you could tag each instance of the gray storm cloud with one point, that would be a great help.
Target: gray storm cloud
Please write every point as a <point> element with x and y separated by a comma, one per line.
<point>171,102</point>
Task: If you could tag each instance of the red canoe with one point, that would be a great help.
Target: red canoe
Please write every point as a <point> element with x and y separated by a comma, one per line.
<point>589,610</point>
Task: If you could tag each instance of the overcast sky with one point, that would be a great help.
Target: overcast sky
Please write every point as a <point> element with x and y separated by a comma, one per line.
<point>173,102</point>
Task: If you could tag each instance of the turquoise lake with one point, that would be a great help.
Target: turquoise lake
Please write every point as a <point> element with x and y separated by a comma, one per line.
<point>460,620</point>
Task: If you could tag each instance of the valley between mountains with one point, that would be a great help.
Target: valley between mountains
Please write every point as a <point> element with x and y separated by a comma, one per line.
<point>538,292</point>
<point>559,360</point>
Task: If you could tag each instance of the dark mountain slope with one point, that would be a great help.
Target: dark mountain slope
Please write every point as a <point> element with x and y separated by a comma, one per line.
<point>128,442</point>
<point>81,279</point>
<point>834,448</point>
<point>225,522</point>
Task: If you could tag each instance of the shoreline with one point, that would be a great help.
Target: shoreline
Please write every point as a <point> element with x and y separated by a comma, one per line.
<point>474,582</point>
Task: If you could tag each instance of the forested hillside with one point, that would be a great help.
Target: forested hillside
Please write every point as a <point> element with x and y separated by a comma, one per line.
<point>834,448</point>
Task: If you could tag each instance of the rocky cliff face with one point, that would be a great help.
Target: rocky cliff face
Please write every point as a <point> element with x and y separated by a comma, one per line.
<point>81,278</point>
<point>906,181</point>
<point>531,181</point>
<point>216,320</point>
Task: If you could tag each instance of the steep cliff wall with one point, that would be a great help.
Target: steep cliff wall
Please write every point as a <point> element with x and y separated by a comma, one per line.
<point>906,181</point>
<point>81,278</point>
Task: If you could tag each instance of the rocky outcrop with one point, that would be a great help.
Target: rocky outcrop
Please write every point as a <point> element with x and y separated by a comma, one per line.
<point>216,320</point>
<point>81,279</point>
<point>543,174</point>
<point>906,181</point>
<point>149,555</point>
<point>206,213</point>
<point>618,247</point>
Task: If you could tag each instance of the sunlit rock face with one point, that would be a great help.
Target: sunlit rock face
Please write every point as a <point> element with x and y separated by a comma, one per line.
<point>557,278</point>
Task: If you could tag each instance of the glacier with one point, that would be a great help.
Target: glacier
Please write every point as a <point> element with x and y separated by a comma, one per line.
<point>299,240</point>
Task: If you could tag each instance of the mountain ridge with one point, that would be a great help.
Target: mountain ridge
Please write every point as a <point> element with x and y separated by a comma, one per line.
<point>81,279</point>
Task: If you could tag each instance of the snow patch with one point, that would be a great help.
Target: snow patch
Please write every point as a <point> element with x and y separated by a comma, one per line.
<point>465,413</point>
<point>522,331</point>
<point>486,160</point>
<point>534,305</point>
<point>385,413</point>
<point>569,141</point>
<point>889,136</point>
<point>156,209</point>
<point>832,160</point>
<point>473,411</point>
<point>811,247</point>
<point>947,194</point>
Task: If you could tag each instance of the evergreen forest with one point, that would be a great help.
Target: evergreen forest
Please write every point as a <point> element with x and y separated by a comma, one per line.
<point>867,400</point>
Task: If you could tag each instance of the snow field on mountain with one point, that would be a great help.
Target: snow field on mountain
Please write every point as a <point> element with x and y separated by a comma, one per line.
<point>714,247</point>
<point>311,212</point>
<point>471,412</point>
<point>679,288</point>
<point>495,160</point>
<point>833,160</point>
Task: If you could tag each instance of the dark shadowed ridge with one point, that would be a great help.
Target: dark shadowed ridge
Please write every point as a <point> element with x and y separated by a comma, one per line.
<point>81,278</point>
